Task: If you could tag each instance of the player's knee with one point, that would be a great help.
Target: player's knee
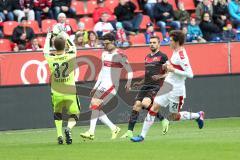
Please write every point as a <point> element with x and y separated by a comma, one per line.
<point>155,107</point>
<point>137,106</point>
<point>174,116</point>
<point>58,116</point>
<point>146,103</point>
<point>74,116</point>
<point>95,104</point>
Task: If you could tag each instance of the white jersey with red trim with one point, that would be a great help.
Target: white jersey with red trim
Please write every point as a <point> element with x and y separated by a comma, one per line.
<point>180,62</point>
<point>112,65</point>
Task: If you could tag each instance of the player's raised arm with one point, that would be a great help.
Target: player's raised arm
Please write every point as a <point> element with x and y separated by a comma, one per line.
<point>46,49</point>
<point>70,45</point>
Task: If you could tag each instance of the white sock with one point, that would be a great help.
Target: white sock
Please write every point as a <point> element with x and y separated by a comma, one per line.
<point>103,117</point>
<point>148,122</point>
<point>93,121</point>
<point>188,115</point>
<point>71,123</point>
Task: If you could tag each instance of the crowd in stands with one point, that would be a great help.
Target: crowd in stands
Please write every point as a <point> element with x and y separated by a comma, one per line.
<point>201,20</point>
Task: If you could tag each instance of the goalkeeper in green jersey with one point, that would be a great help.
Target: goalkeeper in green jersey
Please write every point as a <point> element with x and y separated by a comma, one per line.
<point>61,63</point>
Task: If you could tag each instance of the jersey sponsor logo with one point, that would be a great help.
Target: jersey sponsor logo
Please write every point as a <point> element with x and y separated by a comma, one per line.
<point>42,71</point>
<point>112,64</point>
<point>154,59</point>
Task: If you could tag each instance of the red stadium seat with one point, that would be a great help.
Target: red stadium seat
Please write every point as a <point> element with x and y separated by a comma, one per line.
<point>137,39</point>
<point>5,45</point>
<point>41,41</point>
<point>111,4</point>
<point>73,23</point>
<point>79,6</point>
<point>173,3</point>
<point>34,26</point>
<point>88,21</point>
<point>46,23</point>
<point>91,5</point>
<point>188,4</point>
<point>145,21</point>
<point>8,27</point>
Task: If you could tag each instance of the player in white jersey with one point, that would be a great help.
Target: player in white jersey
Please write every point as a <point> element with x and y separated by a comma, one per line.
<point>179,69</point>
<point>107,84</point>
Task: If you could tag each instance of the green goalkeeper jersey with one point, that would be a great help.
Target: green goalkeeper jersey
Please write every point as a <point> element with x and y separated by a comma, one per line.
<point>62,67</point>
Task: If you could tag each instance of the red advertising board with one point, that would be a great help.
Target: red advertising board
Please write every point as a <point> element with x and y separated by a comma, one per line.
<point>31,67</point>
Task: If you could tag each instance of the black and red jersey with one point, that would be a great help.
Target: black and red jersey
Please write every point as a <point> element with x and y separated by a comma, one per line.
<point>153,66</point>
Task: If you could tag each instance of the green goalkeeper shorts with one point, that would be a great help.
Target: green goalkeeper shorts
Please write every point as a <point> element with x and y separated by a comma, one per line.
<point>70,102</point>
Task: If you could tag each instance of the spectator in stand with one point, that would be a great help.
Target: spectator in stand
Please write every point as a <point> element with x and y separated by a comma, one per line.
<point>101,8</point>
<point>23,8</point>
<point>194,32</point>
<point>22,34</point>
<point>229,34</point>
<point>211,32</point>
<point>6,10</point>
<point>181,14</point>
<point>1,26</point>
<point>121,36</point>
<point>220,13</point>
<point>202,7</point>
<point>125,14</point>
<point>234,11</point>
<point>63,6</point>
<point>92,40</point>
<point>79,40</point>
<point>43,8</point>
<point>187,35</point>
<point>62,22</point>
<point>164,16</point>
<point>103,27</point>
<point>149,32</point>
<point>149,8</point>
<point>34,45</point>
<point>81,29</point>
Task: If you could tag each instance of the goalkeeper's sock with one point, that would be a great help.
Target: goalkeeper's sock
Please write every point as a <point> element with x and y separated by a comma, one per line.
<point>71,123</point>
<point>93,121</point>
<point>104,119</point>
<point>58,124</point>
<point>133,120</point>
<point>184,115</point>
<point>148,122</point>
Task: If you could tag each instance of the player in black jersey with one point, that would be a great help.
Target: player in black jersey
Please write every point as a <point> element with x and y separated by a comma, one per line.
<point>153,80</point>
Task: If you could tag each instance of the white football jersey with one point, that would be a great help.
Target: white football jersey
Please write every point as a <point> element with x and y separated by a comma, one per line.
<point>112,65</point>
<point>183,69</point>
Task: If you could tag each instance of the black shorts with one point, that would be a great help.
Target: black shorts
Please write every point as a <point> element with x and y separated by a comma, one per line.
<point>149,91</point>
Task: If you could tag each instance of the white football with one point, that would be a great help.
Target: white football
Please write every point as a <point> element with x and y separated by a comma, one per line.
<point>57,28</point>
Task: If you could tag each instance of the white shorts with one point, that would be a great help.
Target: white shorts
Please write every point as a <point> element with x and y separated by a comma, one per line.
<point>170,99</point>
<point>105,92</point>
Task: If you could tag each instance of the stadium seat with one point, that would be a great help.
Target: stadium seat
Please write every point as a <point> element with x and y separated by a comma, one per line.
<point>88,21</point>
<point>91,5</point>
<point>188,4</point>
<point>73,23</point>
<point>5,45</point>
<point>145,20</point>
<point>79,6</point>
<point>41,41</point>
<point>137,39</point>
<point>173,3</point>
<point>8,27</point>
<point>34,26</point>
<point>46,23</point>
<point>111,4</point>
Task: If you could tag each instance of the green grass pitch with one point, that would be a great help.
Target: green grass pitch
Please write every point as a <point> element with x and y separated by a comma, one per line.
<point>219,140</point>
